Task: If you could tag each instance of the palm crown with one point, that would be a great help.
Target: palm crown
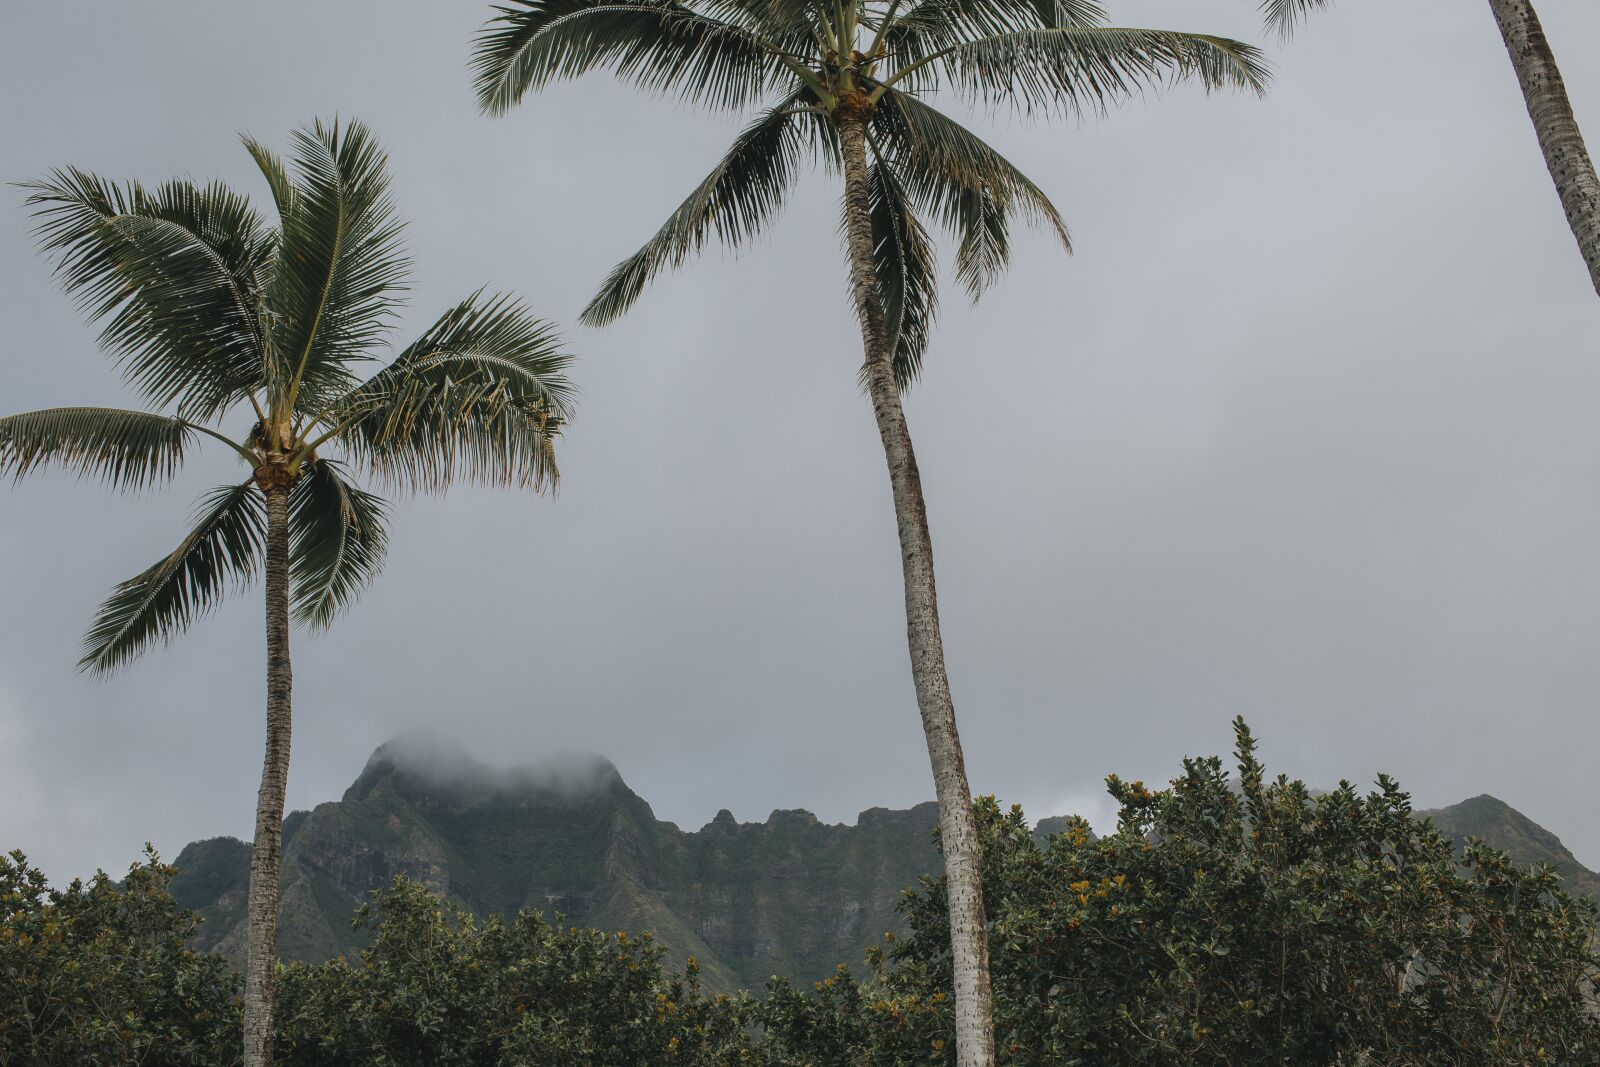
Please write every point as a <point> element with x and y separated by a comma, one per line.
<point>815,63</point>
<point>212,311</point>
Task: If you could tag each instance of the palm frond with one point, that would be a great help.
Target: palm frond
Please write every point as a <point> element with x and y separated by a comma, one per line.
<point>1073,70</point>
<point>954,176</point>
<point>338,538</point>
<point>480,397</point>
<point>733,203</point>
<point>930,26</point>
<point>903,258</point>
<point>157,605</point>
<point>339,267</point>
<point>791,26</point>
<point>658,45</point>
<point>125,449</point>
<point>173,271</point>
<point>275,171</point>
<point>1285,15</point>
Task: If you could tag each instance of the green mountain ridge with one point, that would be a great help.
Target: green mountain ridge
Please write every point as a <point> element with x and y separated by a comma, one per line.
<point>791,896</point>
<point>1500,825</point>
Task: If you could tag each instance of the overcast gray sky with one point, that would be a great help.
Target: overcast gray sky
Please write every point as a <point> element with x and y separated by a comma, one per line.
<point>1305,431</point>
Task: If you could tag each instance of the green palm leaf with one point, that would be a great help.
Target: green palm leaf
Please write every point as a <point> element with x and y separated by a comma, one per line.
<point>907,279</point>
<point>934,25</point>
<point>741,195</point>
<point>124,449</point>
<point>163,601</point>
<point>338,538</point>
<point>954,176</point>
<point>275,171</point>
<point>784,26</point>
<point>339,266</point>
<point>1285,15</point>
<point>480,397</point>
<point>659,46</point>
<point>1077,69</point>
<point>173,270</point>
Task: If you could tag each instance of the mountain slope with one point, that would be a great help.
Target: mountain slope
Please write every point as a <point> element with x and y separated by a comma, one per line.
<point>1500,825</point>
<point>790,896</point>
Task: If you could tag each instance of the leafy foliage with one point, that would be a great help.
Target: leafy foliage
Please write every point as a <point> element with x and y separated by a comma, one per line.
<point>340,263</point>
<point>828,63</point>
<point>481,397</point>
<point>660,47</point>
<point>100,973</point>
<point>160,603</point>
<point>1223,922</point>
<point>176,272</point>
<point>436,989</point>
<point>124,449</point>
<point>338,541</point>
<point>209,310</point>
<point>1285,15</point>
<point>903,257</point>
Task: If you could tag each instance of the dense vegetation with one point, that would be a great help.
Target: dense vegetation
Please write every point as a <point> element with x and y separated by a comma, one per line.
<point>1246,922</point>
<point>1239,921</point>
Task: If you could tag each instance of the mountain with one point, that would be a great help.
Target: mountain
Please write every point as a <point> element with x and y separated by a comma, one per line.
<point>790,896</point>
<point>1499,824</point>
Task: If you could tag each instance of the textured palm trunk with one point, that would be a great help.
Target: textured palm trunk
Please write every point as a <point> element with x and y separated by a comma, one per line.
<point>262,953</point>
<point>1555,124</point>
<point>969,938</point>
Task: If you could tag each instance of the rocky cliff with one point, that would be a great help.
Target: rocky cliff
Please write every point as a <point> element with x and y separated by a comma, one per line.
<point>789,896</point>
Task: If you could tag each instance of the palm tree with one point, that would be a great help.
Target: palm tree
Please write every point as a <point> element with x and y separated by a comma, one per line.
<point>843,82</point>
<point>1545,94</point>
<point>209,310</point>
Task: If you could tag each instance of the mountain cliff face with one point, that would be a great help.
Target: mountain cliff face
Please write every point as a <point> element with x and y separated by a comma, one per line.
<point>790,896</point>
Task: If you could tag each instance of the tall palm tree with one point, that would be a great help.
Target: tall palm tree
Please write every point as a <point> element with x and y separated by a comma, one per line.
<point>844,82</point>
<point>212,312</point>
<point>1545,94</point>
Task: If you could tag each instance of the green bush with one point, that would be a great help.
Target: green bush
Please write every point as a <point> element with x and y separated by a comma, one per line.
<point>101,973</point>
<point>1231,923</point>
<point>437,989</point>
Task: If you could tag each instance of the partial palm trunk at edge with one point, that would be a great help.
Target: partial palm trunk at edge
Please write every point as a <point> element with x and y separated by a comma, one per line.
<point>969,939</point>
<point>262,954</point>
<point>1555,125</point>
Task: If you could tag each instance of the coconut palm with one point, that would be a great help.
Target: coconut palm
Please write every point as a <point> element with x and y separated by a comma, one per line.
<point>1545,94</point>
<point>844,82</point>
<point>211,313</point>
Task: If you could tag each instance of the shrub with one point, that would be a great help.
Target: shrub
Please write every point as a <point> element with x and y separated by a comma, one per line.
<point>100,973</point>
<point>1247,922</point>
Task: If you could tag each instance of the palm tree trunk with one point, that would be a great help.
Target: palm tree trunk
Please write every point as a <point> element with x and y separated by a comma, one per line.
<point>262,954</point>
<point>969,939</point>
<point>1554,123</point>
